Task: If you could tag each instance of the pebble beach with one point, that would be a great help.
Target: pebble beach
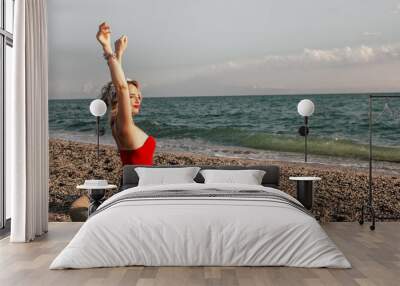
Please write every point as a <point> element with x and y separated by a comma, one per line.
<point>337,197</point>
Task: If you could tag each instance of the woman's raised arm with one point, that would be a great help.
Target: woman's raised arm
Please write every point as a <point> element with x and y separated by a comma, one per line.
<point>124,122</point>
<point>120,47</point>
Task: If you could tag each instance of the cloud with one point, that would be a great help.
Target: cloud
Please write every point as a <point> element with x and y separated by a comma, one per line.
<point>351,55</point>
<point>371,34</point>
<point>233,64</point>
<point>344,55</point>
<point>314,57</point>
<point>308,59</point>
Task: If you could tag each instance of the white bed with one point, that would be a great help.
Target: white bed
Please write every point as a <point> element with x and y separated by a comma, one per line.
<point>207,230</point>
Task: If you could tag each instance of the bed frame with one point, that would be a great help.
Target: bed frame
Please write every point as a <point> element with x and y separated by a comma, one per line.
<point>271,178</point>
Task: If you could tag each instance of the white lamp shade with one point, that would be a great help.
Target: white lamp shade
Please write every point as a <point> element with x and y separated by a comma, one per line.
<point>305,107</point>
<point>98,107</point>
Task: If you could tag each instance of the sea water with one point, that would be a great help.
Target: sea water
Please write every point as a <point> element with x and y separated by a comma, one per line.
<point>249,126</point>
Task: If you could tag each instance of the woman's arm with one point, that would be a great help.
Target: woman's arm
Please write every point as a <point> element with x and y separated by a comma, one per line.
<point>120,47</point>
<point>124,122</point>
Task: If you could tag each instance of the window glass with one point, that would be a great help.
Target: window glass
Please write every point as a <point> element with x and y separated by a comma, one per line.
<point>8,89</point>
<point>9,15</point>
<point>2,195</point>
<point>1,14</point>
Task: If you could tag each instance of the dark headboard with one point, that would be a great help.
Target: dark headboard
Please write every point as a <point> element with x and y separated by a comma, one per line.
<point>271,178</point>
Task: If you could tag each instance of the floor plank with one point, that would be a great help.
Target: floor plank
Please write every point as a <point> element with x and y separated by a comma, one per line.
<point>375,257</point>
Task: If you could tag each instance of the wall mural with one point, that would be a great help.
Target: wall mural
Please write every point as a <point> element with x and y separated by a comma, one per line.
<point>219,83</point>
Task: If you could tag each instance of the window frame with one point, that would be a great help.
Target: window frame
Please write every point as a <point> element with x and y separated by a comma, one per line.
<point>6,39</point>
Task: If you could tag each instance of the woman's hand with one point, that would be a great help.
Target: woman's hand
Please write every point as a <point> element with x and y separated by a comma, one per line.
<point>120,46</point>
<point>104,36</point>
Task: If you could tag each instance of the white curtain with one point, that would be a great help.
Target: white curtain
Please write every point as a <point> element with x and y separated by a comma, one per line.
<point>27,123</point>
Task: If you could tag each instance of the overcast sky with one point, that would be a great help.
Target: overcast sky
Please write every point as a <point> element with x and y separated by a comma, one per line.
<point>224,47</point>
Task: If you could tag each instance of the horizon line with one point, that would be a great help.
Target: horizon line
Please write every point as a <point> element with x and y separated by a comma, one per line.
<point>285,94</point>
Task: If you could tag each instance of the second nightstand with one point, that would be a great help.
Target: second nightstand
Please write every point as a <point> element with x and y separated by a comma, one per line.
<point>305,190</point>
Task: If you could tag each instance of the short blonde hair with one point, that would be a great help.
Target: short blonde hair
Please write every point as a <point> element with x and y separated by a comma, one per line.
<point>109,96</point>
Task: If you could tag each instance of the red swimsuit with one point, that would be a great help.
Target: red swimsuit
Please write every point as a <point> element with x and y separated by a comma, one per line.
<point>140,156</point>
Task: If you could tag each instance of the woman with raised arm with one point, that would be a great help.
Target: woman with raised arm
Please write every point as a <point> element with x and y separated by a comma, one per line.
<point>123,98</point>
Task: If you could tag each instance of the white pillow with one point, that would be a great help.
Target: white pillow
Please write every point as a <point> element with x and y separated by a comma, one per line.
<point>249,177</point>
<point>162,176</point>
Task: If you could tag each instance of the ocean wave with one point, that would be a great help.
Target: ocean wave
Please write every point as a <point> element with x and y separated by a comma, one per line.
<point>321,146</point>
<point>339,126</point>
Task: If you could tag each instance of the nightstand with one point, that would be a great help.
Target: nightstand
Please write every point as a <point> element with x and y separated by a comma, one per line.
<point>96,190</point>
<point>305,190</point>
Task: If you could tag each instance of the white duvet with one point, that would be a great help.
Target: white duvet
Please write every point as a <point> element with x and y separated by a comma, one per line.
<point>200,231</point>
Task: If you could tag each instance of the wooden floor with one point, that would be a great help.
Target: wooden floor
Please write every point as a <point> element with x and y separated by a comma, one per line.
<point>375,257</point>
